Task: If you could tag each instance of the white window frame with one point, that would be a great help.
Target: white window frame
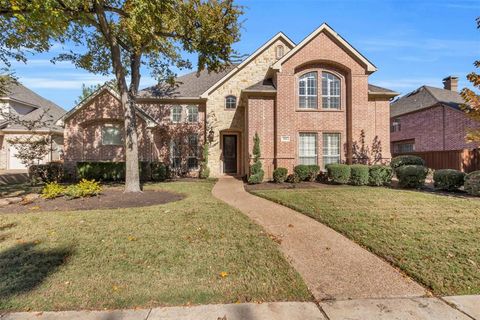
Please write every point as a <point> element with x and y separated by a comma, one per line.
<point>331,155</point>
<point>396,125</point>
<point>308,90</point>
<point>192,117</point>
<point>331,91</point>
<point>114,142</point>
<point>279,51</point>
<point>305,155</point>
<point>174,111</point>
<point>229,105</point>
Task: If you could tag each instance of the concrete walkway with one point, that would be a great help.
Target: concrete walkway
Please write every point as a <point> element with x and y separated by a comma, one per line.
<point>333,267</point>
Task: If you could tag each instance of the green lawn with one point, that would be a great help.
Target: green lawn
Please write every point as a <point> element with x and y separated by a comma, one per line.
<point>171,254</point>
<point>433,238</point>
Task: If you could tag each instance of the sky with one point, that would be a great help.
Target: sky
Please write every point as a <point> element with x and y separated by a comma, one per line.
<point>412,42</point>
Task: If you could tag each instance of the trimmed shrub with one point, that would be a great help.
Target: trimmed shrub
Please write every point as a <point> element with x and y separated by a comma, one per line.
<point>472,183</point>
<point>307,172</point>
<point>50,172</point>
<point>204,169</point>
<point>359,174</point>
<point>110,171</point>
<point>256,171</point>
<point>256,178</point>
<point>293,178</point>
<point>52,190</point>
<point>411,176</point>
<point>280,175</point>
<point>338,173</point>
<point>405,161</point>
<point>448,179</point>
<point>159,171</point>
<point>380,175</point>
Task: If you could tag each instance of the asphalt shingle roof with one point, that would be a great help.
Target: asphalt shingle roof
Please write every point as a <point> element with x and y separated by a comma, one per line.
<point>265,85</point>
<point>52,111</point>
<point>373,88</point>
<point>423,98</point>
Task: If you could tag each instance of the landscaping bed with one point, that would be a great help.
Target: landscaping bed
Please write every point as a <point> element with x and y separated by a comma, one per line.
<point>432,238</point>
<point>196,250</point>
<point>110,198</point>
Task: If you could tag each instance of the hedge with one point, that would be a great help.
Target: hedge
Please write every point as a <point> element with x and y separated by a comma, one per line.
<point>280,174</point>
<point>405,161</point>
<point>380,175</point>
<point>293,178</point>
<point>472,183</point>
<point>411,176</point>
<point>448,179</point>
<point>359,175</point>
<point>115,171</point>
<point>307,172</point>
<point>338,173</point>
<point>50,172</point>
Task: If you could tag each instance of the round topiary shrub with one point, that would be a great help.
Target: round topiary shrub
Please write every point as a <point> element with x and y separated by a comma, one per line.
<point>411,176</point>
<point>280,174</point>
<point>293,178</point>
<point>448,179</point>
<point>405,161</point>
<point>302,171</point>
<point>472,183</point>
<point>359,174</point>
<point>338,173</point>
<point>380,175</point>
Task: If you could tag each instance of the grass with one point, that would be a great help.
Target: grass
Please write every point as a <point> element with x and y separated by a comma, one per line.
<point>433,238</point>
<point>194,251</point>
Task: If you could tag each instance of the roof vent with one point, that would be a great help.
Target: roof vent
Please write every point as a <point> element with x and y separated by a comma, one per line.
<point>450,83</point>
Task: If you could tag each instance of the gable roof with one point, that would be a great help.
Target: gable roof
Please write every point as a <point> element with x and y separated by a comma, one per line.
<point>380,91</point>
<point>45,109</point>
<point>423,98</point>
<point>325,28</point>
<point>105,88</point>
<point>265,85</point>
<point>278,36</point>
<point>191,85</point>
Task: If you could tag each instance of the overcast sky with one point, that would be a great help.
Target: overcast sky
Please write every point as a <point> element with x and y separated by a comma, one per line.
<point>412,42</point>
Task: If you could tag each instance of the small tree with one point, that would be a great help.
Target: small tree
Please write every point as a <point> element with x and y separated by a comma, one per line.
<point>362,154</point>
<point>204,169</point>
<point>472,100</point>
<point>31,149</point>
<point>256,171</point>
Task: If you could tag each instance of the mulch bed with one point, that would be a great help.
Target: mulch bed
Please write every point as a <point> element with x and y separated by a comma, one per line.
<point>109,199</point>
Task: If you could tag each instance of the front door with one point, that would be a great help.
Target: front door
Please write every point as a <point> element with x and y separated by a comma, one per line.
<point>230,154</point>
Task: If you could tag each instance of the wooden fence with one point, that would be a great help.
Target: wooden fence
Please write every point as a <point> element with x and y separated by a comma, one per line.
<point>465,160</point>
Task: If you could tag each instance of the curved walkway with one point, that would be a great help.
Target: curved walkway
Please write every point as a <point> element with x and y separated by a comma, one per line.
<point>333,267</point>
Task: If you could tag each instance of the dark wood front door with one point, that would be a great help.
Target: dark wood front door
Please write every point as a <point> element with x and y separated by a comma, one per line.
<point>230,154</point>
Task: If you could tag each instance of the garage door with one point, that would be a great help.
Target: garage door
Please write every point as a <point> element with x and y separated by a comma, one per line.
<point>13,161</point>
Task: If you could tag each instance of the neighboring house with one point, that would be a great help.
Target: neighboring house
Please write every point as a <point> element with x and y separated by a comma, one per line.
<point>308,102</point>
<point>430,119</point>
<point>28,106</point>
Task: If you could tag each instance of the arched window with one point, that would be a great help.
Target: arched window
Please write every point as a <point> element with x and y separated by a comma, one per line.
<point>307,91</point>
<point>230,102</point>
<point>330,91</point>
<point>279,51</point>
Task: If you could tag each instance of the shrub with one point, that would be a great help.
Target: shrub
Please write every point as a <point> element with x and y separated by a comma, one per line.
<point>405,161</point>
<point>322,177</point>
<point>448,179</point>
<point>472,183</point>
<point>359,174</point>
<point>204,169</point>
<point>307,172</point>
<point>313,171</point>
<point>110,171</point>
<point>85,188</point>
<point>50,172</point>
<point>256,178</point>
<point>72,192</point>
<point>280,175</point>
<point>380,175</point>
<point>256,171</point>
<point>52,190</point>
<point>338,173</point>
<point>293,178</point>
<point>411,176</point>
<point>159,171</point>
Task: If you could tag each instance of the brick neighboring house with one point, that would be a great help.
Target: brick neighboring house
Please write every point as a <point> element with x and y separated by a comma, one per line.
<point>28,106</point>
<point>430,119</point>
<point>308,102</point>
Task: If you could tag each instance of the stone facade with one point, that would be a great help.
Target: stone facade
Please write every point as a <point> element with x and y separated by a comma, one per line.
<point>437,128</point>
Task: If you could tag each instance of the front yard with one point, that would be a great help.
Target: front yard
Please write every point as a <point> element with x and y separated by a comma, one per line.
<point>194,251</point>
<point>433,238</point>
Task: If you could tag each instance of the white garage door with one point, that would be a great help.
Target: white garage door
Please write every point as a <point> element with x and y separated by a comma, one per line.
<point>13,161</point>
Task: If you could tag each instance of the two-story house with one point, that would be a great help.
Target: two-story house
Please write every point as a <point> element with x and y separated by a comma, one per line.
<point>308,102</point>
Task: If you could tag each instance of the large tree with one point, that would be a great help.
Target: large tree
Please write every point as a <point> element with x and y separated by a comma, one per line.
<point>118,37</point>
<point>472,107</point>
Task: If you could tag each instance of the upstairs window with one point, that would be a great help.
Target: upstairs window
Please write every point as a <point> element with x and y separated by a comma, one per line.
<point>395,125</point>
<point>331,148</point>
<point>192,114</point>
<point>176,113</point>
<point>330,91</point>
<point>307,148</point>
<point>230,102</point>
<point>279,52</point>
<point>112,135</point>
<point>307,91</point>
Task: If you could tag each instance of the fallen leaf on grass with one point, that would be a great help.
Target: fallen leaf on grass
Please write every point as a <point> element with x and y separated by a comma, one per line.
<point>34,208</point>
<point>223,274</point>
<point>132,238</point>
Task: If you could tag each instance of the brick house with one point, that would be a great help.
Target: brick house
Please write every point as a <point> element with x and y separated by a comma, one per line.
<point>430,119</point>
<point>308,102</point>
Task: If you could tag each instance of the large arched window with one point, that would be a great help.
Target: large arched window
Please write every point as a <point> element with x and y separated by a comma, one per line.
<point>307,91</point>
<point>230,102</point>
<point>330,91</point>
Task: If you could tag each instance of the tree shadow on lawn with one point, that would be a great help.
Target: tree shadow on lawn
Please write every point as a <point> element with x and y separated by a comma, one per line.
<point>24,267</point>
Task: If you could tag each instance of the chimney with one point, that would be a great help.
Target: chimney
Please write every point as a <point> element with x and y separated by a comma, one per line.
<point>450,83</point>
